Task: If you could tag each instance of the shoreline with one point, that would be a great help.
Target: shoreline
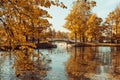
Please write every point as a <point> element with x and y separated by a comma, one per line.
<point>42,45</point>
<point>95,44</point>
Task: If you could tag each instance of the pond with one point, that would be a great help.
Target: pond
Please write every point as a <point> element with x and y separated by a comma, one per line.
<point>68,63</point>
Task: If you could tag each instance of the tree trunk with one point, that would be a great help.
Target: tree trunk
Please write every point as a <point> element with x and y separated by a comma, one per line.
<point>75,37</point>
<point>38,42</point>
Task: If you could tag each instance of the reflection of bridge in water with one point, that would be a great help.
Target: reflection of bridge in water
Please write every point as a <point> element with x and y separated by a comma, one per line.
<point>62,40</point>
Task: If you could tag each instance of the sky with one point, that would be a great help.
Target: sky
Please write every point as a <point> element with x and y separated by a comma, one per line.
<point>102,9</point>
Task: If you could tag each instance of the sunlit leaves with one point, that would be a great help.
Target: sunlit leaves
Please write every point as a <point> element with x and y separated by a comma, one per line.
<point>21,21</point>
<point>94,27</point>
<point>22,15</point>
<point>76,21</point>
<point>112,22</point>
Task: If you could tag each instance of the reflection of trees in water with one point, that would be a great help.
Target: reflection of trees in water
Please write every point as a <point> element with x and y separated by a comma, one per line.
<point>80,64</point>
<point>116,62</point>
<point>94,61</point>
<point>28,65</point>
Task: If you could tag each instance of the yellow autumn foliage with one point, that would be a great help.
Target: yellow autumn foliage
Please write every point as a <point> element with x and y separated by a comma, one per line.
<point>77,19</point>
<point>22,20</point>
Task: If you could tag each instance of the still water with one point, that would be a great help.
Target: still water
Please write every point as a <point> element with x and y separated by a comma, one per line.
<point>68,63</point>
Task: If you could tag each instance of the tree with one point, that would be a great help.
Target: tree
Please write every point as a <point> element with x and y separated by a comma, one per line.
<point>116,19</point>
<point>116,22</point>
<point>23,19</point>
<point>113,23</point>
<point>94,30</point>
<point>78,16</point>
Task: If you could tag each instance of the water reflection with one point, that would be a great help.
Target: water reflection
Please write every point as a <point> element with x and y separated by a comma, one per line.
<point>93,63</point>
<point>78,69</point>
<point>58,57</point>
<point>68,63</point>
<point>6,71</point>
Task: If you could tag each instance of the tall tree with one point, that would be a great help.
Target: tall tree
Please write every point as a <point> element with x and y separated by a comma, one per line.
<point>94,30</point>
<point>78,16</point>
<point>113,23</point>
<point>117,19</point>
